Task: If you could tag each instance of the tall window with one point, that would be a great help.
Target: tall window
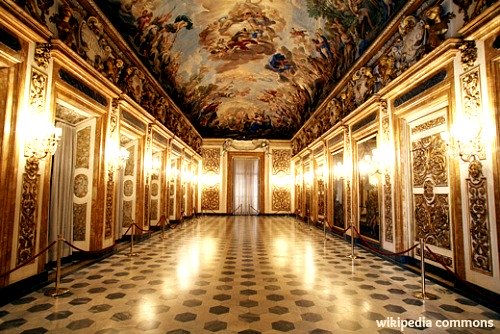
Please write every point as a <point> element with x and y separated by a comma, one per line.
<point>246,186</point>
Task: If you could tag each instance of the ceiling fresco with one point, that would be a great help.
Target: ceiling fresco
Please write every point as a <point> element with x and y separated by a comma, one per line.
<point>249,68</point>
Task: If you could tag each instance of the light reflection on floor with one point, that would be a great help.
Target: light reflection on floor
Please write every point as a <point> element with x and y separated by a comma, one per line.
<point>239,275</point>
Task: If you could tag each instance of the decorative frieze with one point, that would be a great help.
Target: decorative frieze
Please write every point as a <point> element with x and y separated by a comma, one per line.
<point>469,54</point>
<point>429,124</point>
<point>38,89</point>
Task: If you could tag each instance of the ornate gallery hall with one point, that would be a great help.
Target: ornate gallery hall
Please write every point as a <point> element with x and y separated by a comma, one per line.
<point>249,166</point>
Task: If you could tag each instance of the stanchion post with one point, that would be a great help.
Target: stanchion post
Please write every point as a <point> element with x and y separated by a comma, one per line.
<point>131,253</point>
<point>422,294</point>
<point>58,291</point>
<point>324,228</point>
<point>352,255</point>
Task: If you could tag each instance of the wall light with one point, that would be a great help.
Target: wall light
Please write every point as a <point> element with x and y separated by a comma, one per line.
<point>41,140</point>
<point>466,138</point>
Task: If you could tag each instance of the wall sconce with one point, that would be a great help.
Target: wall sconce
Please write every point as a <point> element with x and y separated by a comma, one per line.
<point>210,179</point>
<point>339,171</point>
<point>465,139</point>
<point>122,158</point>
<point>299,179</point>
<point>308,178</point>
<point>371,166</point>
<point>42,140</point>
<point>155,166</point>
<point>281,181</point>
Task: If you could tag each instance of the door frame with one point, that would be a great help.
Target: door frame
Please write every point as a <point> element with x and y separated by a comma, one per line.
<point>230,178</point>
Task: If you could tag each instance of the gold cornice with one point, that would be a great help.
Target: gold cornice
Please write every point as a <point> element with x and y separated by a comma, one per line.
<point>70,61</point>
<point>423,69</point>
<point>22,24</point>
<point>483,26</point>
<point>66,92</point>
<point>124,47</point>
<point>374,47</point>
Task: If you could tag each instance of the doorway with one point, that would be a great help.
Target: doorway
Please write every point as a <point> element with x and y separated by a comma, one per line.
<point>245,188</point>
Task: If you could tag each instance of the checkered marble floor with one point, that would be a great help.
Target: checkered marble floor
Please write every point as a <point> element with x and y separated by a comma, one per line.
<point>241,275</point>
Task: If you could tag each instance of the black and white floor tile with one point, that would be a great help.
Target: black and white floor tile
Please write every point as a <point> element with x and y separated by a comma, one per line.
<point>244,275</point>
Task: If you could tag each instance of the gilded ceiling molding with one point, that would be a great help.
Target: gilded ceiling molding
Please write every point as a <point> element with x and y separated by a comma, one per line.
<point>402,51</point>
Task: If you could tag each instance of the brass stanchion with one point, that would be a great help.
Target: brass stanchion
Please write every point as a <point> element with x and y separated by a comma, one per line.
<point>163,235</point>
<point>57,291</point>
<point>352,255</point>
<point>422,294</point>
<point>131,253</point>
<point>324,228</point>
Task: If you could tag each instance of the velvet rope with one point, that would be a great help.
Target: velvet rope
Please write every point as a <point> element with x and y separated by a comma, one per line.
<point>29,260</point>
<point>162,220</point>
<point>386,253</point>
<point>81,250</point>
<point>140,229</point>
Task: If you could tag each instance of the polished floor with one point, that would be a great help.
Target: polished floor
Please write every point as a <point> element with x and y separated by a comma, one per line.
<point>244,275</point>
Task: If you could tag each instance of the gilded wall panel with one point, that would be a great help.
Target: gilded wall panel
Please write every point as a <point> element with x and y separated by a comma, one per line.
<point>128,218</point>
<point>432,217</point>
<point>211,160</point>
<point>281,161</point>
<point>428,125</point>
<point>210,198</point>
<point>281,199</point>
<point>128,188</point>
<point>110,188</point>
<point>153,214</point>
<point>83,148</point>
<point>154,189</point>
<point>387,187</point>
<point>429,161</point>
<point>79,221</point>
<point>321,198</point>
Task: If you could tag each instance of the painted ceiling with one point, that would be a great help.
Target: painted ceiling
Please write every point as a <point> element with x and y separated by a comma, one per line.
<point>249,69</point>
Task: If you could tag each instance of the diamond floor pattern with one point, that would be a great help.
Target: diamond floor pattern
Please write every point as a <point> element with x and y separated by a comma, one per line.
<point>240,275</point>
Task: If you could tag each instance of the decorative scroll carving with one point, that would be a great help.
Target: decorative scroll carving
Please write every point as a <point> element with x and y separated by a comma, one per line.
<point>210,198</point>
<point>298,193</point>
<point>42,55</point>
<point>429,125</point>
<point>321,198</point>
<point>79,221</point>
<point>281,199</point>
<point>429,159</point>
<point>433,257</point>
<point>469,54</point>
<point>387,187</point>
<point>83,148</point>
<point>432,217</point>
<point>388,208</point>
<point>281,161</point>
<point>38,90</point>
<point>211,160</point>
<point>28,214</point>
<point>480,243</point>
<point>154,186</point>
<point>108,221</point>
<point>471,92</point>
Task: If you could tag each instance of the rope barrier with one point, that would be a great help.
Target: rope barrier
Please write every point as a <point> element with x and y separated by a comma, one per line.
<point>80,249</point>
<point>29,260</point>
<point>140,229</point>
<point>386,253</point>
